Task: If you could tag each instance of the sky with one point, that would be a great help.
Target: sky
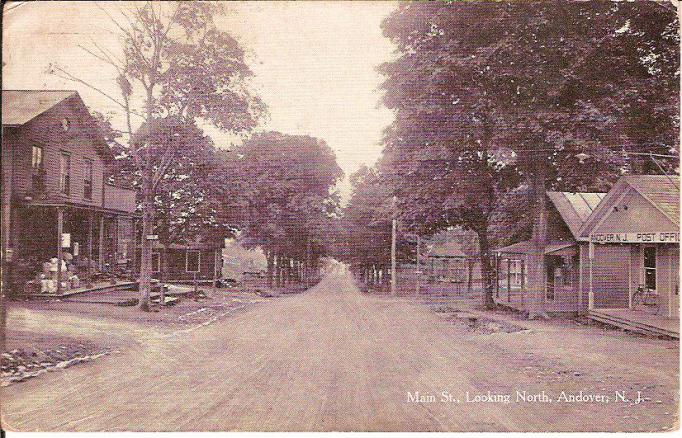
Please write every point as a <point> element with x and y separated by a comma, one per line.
<point>314,64</point>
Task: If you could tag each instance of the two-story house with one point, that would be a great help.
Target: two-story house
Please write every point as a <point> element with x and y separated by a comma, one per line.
<point>56,202</point>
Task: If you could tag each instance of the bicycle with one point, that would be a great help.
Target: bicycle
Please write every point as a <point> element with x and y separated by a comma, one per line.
<point>646,297</point>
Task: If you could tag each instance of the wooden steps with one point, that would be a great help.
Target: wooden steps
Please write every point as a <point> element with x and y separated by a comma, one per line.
<point>638,326</point>
<point>96,289</point>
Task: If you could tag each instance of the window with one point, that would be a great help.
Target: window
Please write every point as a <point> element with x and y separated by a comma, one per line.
<point>37,158</point>
<point>37,171</point>
<point>650,267</point>
<point>156,262</point>
<point>192,261</point>
<point>64,173</point>
<point>517,273</point>
<point>87,179</point>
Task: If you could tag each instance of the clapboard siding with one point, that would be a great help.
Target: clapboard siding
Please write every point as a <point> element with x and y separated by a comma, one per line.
<point>610,276</point>
<point>46,131</point>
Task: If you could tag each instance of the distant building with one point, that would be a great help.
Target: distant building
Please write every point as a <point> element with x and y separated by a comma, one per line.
<point>449,269</point>
<point>55,198</point>
<point>199,260</point>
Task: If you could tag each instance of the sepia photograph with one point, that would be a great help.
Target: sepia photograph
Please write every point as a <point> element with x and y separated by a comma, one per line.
<point>340,216</point>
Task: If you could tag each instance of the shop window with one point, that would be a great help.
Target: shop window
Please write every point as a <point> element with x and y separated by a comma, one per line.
<point>192,261</point>
<point>65,173</point>
<point>87,179</point>
<point>650,267</point>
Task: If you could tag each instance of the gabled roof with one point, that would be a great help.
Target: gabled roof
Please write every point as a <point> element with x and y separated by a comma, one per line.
<point>661,191</point>
<point>21,106</point>
<point>447,249</point>
<point>575,208</point>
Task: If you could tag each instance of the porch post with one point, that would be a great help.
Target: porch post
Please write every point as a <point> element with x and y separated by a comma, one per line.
<point>90,225</point>
<point>133,254</point>
<point>60,231</point>
<point>508,280</point>
<point>100,262</point>
<point>523,280</point>
<point>590,298</point>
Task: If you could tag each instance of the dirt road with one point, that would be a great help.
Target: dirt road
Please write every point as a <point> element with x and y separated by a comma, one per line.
<point>334,359</point>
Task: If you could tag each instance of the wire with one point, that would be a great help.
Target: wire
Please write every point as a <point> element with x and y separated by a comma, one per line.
<point>15,6</point>
<point>649,154</point>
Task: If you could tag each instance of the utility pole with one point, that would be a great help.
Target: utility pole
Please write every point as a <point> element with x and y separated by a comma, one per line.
<point>419,272</point>
<point>394,226</point>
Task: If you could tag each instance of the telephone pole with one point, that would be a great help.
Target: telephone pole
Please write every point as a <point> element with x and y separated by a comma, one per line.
<point>418,272</point>
<point>394,226</point>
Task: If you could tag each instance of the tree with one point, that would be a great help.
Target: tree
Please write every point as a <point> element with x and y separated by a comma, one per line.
<point>186,199</point>
<point>285,195</point>
<point>440,153</point>
<point>366,223</point>
<point>520,88</point>
<point>175,68</point>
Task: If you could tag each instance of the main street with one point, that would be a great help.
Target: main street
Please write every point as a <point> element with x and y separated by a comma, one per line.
<point>335,359</point>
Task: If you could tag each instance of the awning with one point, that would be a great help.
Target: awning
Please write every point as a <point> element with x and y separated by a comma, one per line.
<point>67,204</point>
<point>528,247</point>
<point>563,249</point>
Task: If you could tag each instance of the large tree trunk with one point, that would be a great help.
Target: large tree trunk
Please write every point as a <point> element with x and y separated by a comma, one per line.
<point>536,267</point>
<point>486,268</point>
<point>146,257</point>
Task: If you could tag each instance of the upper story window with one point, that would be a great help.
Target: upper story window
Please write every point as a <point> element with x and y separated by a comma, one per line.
<point>64,173</point>
<point>87,179</point>
<point>37,169</point>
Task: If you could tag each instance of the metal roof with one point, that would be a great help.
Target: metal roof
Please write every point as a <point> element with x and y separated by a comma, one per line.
<point>21,106</point>
<point>575,208</point>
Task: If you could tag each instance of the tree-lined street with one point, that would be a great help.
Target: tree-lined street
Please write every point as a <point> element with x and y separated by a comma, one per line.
<point>356,216</point>
<point>335,359</point>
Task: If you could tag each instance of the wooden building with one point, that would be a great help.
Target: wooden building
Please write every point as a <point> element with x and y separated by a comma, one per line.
<point>633,250</point>
<point>613,257</point>
<point>448,269</point>
<point>567,212</point>
<point>55,199</point>
<point>184,263</point>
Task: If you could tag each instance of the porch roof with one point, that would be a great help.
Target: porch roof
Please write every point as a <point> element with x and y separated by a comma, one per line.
<point>66,204</point>
<point>527,247</point>
<point>190,247</point>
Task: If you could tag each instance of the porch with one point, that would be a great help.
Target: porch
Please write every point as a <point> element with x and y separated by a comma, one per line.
<point>639,321</point>
<point>91,244</point>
